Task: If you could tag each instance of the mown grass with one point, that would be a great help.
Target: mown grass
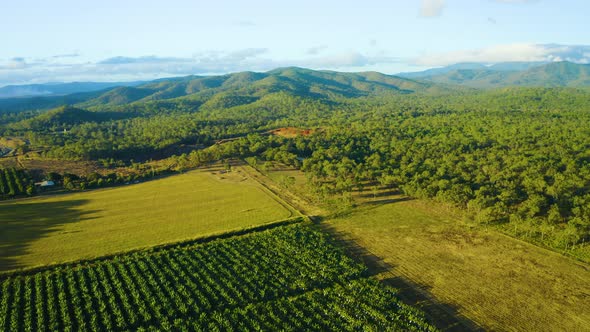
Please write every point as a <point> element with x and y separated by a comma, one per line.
<point>499,282</point>
<point>61,228</point>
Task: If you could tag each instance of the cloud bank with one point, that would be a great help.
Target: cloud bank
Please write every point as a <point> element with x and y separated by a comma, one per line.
<point>515,1</point>
<point>521,52</point>
<point>432,8</point>
<point>21,70</point>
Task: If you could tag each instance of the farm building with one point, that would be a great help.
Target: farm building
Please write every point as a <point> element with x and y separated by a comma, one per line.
<point>47,183</point>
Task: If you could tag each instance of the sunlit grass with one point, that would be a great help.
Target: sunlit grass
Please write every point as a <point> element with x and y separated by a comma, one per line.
<point>68,227</point>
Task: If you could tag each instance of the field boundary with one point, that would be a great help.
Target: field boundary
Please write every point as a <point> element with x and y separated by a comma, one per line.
<point>274,195</point>
<point>564,253</point>
<point>156,248</point>
<point>284,195</point>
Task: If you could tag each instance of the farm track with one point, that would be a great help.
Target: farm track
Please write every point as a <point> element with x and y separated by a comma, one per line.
<point>297,203</point>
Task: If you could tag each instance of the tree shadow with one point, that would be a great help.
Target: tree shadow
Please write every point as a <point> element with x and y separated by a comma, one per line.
<point>388,201</point>
<point>21,224</point>
<point>385,193</point>
<point>444,316</point>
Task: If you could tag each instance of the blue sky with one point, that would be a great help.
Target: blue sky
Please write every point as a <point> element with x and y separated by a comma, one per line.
<point>107,40</point>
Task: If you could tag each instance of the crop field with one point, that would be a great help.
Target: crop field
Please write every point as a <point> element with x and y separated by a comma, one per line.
<point>494,280</point>
<point>14,182</point>
<point>61,228</point>
<point>36,164</point>
<point>286,278</point>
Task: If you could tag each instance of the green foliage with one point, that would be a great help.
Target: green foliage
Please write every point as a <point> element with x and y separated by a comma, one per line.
<point>15,183</point>
<point>290,277</point>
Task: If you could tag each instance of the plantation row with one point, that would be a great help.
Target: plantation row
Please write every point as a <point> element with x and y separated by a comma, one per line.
<point>15,182</point>
<point>290,277</point>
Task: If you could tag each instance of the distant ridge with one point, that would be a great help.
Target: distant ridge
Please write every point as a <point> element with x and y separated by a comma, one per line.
<point>232,89</point>
<point>58,89</point>
<point>247,86</point>
<point>502,66</point>
<point>554,74</point>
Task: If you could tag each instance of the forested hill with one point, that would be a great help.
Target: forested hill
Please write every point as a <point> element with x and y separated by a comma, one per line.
<point>556,74</point>
<point>296,81</point>
<point>309,83</point>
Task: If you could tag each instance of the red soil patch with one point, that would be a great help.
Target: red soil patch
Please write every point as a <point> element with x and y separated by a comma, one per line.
<point>291,132</point>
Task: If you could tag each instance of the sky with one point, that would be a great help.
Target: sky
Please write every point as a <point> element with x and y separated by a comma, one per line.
<point>123,40</point>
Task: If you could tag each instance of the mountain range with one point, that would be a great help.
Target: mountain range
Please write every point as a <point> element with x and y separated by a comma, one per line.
<point>56,89</point>
<point>477,75</point>
<point>237,88</point>
<point>244,87</point>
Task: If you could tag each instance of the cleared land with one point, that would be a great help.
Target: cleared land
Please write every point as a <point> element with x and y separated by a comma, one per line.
<point>290,132</point>
<point>497,281</point>
<point>69,227</point>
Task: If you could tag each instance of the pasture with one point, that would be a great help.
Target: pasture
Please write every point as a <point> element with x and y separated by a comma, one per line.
<point>68,227</point>
<point>494,280</point>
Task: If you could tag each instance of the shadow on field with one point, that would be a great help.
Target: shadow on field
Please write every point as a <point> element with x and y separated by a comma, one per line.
<point>22,224</point>
<point>385,193</point>
<point>388,201</point>
<point>442,315</point>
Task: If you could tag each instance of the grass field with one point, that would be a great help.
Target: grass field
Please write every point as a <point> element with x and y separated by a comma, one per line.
<point>68,227</point>
<point>494,280</point>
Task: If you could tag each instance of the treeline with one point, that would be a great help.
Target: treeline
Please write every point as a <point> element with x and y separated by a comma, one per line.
<point>96,180</point>
<point>15,183</point>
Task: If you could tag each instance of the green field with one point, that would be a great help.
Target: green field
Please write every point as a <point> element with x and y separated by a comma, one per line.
<point>69,227</point>
<point>497,281</point>
<point>287,278</point>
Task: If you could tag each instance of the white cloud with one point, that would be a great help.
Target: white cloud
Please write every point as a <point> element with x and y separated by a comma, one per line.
<point>342,60</point>
<point>14,63</point>
<point>432,8</point>
<point>68,55</point>
<point>316,49</point>
<point>525,52</point>
<point>122,60</point>
<point>21,70</point>
<point>515,1</point>
<point>122,68</point>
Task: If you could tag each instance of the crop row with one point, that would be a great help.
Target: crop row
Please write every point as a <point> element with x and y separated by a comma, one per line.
<point>14,182</point>
<point>291,277</point>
